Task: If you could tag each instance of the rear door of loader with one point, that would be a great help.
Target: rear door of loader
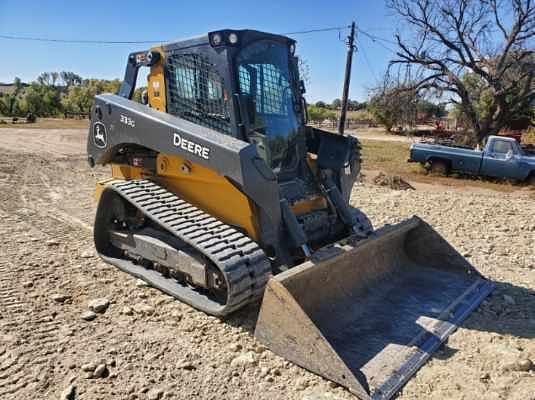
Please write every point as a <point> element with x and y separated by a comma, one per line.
<point>368,314</point>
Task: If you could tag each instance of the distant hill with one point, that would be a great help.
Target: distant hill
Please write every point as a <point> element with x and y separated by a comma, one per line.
<point>8,88</point>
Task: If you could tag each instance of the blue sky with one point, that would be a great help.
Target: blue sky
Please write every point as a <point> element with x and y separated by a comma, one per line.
<point>163,20</point>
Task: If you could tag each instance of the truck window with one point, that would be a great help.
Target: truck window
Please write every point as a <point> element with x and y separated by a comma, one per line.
<point>502,147</point>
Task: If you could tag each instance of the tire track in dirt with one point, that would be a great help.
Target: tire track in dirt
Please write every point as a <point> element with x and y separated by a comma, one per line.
<point>14,357</point>
<point>30,333</point>
<point>30,336</point>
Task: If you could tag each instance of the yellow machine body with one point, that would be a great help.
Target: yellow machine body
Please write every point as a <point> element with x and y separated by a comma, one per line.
<point>198,185</point>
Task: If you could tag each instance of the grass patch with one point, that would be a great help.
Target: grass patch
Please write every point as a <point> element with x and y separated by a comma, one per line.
<point>391,158</point>
<point>50,123</point>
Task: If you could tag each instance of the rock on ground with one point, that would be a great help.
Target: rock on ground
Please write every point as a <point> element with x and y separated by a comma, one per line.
<point>69,393</point>
<point>88,316</point>
<point>244,360</point>
<point>99,305</point>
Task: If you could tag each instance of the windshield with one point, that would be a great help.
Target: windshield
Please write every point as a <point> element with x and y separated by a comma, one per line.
<point>266,83</point>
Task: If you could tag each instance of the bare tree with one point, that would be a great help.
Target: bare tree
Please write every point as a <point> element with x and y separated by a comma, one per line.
<point>492,40</point>
<point>394,102</point>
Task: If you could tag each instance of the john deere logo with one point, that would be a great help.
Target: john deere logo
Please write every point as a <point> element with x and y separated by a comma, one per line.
<point>100,138</point>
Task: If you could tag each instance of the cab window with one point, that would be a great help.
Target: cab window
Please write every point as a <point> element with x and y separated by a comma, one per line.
<point>502,147</point>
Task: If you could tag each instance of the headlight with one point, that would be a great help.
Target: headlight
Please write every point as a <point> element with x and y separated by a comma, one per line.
<point>233,38</point>
<point>216,39</point>
<point>292,48</point>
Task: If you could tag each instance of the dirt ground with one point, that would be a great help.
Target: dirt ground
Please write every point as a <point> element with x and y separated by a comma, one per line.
<point>46,123</point>
<point>148,346</point>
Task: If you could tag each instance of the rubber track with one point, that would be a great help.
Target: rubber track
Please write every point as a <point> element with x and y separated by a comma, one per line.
<point>242,262</point>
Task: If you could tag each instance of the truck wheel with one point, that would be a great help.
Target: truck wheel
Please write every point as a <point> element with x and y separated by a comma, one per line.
<point>439,167</point>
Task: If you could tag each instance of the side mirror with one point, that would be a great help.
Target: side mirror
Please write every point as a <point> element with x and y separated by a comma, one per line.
<point>509,155</point>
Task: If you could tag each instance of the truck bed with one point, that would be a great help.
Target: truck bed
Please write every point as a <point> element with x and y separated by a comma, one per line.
<point>460,158</point>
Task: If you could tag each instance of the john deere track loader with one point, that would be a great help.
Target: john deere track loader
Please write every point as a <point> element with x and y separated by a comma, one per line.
<point>220,194</point>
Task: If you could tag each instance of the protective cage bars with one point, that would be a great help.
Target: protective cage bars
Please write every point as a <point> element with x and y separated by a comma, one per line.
<point>270,88</point>
<point>196,92</point>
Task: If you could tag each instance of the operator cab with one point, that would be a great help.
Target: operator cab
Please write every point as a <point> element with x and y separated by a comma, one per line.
<point>242,83</point>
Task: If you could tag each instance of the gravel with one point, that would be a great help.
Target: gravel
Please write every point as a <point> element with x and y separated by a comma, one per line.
<point>99,305</point>
<point>244,360</point>
<point>69,393</point>
<point>88,367</point>
<point>127,310</point>
<point>143,308</point>
<point>87,254</point>
<point>155,394</point>
<point>60,298</point>
<point>88,316</point>
<point>100,371</point>
<point>185,364</point>
<point>39,339</point>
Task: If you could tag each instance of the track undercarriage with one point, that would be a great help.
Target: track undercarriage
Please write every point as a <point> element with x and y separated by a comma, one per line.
<point>152,234</point>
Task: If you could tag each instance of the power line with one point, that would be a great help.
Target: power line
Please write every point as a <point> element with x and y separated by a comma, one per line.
<point>375,37</point>
<point>92,41</point>
<point>334,28</point>
<point>361,47</point>
<point>40,39</point>
<point>378,40</point>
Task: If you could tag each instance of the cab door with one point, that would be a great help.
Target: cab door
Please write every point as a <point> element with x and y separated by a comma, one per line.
<point>500,160</point>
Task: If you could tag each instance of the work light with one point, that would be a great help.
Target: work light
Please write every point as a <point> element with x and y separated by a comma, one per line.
<point>233,38</point>
<point>216,39</point>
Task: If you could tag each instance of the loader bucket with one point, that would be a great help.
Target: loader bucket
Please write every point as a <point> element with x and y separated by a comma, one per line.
<point>368,314</point>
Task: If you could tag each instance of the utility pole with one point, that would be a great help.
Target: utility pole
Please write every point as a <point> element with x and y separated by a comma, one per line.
<point>347,78</point>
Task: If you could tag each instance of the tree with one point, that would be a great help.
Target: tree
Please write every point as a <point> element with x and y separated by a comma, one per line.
<point>47,78</point>
<point>354,105</point>
<point>393,104</point>
<point>112,86</point>
<point>70,79</point>
<point>431,109</point>
<point>321,104</point>
<point>138,94</point>
<point>55,93</point>
<point>10,104</point>
<point>336,104</point>
<point>41,100</point>
<point>454,40</point>
<point>18,87</point>
<point>304,70</point>
<point>79,98</point>
<point>318,114</point>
